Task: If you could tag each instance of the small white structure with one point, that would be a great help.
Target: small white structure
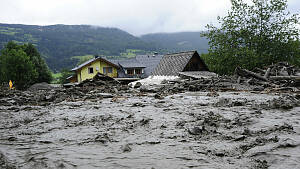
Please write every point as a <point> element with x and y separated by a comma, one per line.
<point>154,80</point>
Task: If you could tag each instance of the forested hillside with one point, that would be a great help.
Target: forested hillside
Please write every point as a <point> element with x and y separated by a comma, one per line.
<point>59,43</point>
<point>181,41</point>
<point>63,46</point>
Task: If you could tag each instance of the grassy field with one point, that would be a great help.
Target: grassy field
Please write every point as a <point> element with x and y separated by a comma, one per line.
<point>56,77</point>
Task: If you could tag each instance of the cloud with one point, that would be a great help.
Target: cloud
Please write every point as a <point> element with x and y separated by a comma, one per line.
<point>135,16</point>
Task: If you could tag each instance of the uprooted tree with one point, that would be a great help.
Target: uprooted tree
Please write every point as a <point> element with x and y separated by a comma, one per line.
<point>23,65</point>
<point>252,35</point>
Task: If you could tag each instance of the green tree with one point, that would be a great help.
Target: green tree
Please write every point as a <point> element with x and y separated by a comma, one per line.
<point>17,66</point>
<point>65,73</point>
<point>23,65</point>
<point>44,74</point>
<point>253,35</point>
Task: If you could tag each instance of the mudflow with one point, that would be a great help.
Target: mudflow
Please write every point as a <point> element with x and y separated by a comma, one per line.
<point>100,123</point>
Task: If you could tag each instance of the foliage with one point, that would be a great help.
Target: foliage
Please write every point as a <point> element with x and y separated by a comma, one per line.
<point>17,66</point>
<point>82,59</point>
<point>44,74</point>
<point>23,65</point>
<point>55,77</point>
<point>253,35</point>
<point>130,53</point>
<point>65,73</point>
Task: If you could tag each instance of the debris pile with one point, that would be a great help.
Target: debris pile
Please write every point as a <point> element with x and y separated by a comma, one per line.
<point>277,77</point>
<point>101,83</point>
<point>221,83</point>
<point>101,86</point>
<point>43,94</point>
<point>280,76</point>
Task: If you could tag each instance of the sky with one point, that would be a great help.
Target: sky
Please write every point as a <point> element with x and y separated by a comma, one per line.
<point>134,16</point>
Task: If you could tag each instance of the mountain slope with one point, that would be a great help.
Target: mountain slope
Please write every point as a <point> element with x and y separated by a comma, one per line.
<point>180,41</point>
<point>64,45</point>
<point>59,43</point>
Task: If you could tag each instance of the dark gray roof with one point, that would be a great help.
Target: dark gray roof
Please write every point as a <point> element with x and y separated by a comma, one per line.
<point>128,63</point>
<point>91,61</point>
<point>150,61</point>
<point>83,64</point>
<point>173,63</point>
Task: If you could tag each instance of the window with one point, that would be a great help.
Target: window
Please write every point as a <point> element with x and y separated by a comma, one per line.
<point>90,70</point>
<point>107,70</point>
<point>138,71</point>
<point>130,71</point>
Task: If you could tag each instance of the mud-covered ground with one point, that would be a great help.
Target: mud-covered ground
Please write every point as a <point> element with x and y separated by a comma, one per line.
<point>131,130</point>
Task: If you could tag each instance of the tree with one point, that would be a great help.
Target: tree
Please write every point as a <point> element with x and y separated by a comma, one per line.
<point>23,65</point>
<point>17,66</point>
<point>253,35</point>
<point>65,73</point>
<point>44,74</point>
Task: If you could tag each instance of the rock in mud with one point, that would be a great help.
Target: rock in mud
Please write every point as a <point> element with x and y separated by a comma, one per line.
<point>138,105</point>
<point>137,85</point>
<point>287,143</point>
<point>102,138</point>
<point>126,148</point>
<point>145,121</point>
<point>197,130</point>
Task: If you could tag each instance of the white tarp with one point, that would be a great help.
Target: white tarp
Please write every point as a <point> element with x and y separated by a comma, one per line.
<point>154,80</point>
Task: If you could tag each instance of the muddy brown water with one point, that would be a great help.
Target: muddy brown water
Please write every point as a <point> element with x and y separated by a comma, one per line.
<point>187,130</point>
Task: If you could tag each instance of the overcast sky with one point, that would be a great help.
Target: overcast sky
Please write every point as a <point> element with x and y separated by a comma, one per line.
<point>134,16</point>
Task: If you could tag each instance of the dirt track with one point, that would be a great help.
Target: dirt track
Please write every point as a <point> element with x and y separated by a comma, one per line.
<point>187,130</point>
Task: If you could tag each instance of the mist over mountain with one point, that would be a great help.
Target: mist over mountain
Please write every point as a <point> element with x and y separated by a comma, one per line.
<point>59,44</point>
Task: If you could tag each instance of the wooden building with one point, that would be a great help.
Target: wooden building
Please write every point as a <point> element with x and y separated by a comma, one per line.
<point>172,64</point>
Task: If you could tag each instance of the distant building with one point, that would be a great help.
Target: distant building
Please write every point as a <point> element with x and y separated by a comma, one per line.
<point>130,68</point>
<point>139,67</point>
<point>90,68</point>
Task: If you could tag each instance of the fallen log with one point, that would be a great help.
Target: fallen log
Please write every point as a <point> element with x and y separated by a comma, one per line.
<point>246,73</point>
<point>297,78</point>
<point>259,70</point>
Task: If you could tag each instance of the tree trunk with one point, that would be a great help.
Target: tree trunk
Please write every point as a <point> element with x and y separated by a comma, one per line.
<point>247,73</point>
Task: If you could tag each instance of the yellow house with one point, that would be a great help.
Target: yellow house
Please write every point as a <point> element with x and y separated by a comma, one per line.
<point>96,65</point>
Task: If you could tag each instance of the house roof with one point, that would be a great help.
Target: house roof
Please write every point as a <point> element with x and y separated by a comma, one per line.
<point>93,60</point>
<point>150,61</point>
<point>129,63</point>
<point>172,64</point>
